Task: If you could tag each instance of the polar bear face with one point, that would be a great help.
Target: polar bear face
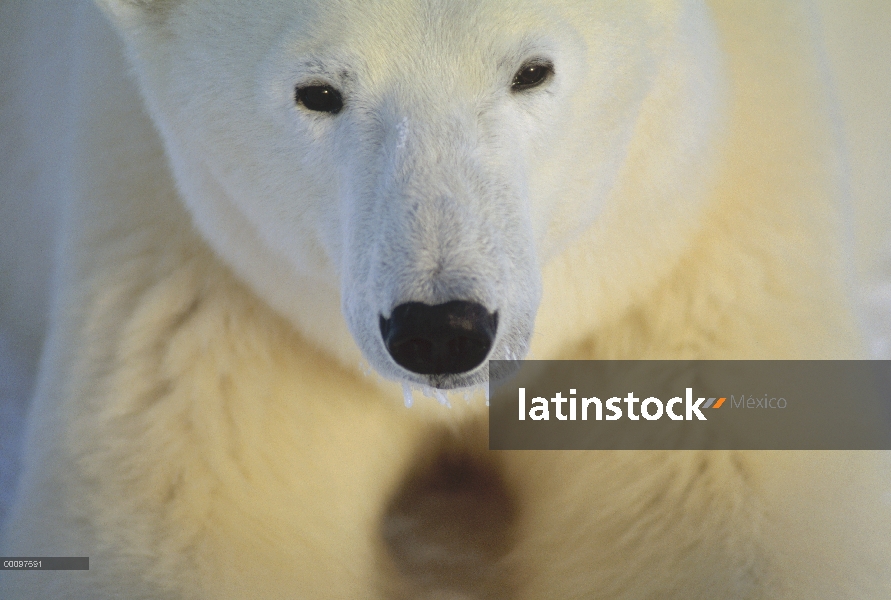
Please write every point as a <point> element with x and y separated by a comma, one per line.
<point>426,155</point>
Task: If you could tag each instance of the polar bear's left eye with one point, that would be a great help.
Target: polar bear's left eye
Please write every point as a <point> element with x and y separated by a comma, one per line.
<point>320,98</point>
<point>532,74</point>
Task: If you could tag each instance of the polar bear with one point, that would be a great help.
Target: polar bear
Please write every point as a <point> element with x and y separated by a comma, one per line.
<point>263,201</point>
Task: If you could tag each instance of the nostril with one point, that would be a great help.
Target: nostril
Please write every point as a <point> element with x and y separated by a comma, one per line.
<point>454,337</point>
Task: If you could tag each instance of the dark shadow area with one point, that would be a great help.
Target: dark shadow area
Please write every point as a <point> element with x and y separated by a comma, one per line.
<point>449,527</point>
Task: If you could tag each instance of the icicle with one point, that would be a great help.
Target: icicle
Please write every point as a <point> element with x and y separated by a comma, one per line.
<point>402,132</point>
<point>365,367</point>
<point>486,390</point>
<point>441,398</point>
<point>407,394</point>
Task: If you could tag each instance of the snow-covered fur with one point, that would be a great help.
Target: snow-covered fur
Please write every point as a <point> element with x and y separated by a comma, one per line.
<point>217,414</point>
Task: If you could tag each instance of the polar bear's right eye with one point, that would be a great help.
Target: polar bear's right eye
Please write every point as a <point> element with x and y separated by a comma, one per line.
<point>532,74</point>
<point>320,98</point>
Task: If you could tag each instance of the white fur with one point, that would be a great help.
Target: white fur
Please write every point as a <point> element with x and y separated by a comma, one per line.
<point>678,190</point>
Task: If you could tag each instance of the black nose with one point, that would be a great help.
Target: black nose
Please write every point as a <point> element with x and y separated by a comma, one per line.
<point>444,339</point>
